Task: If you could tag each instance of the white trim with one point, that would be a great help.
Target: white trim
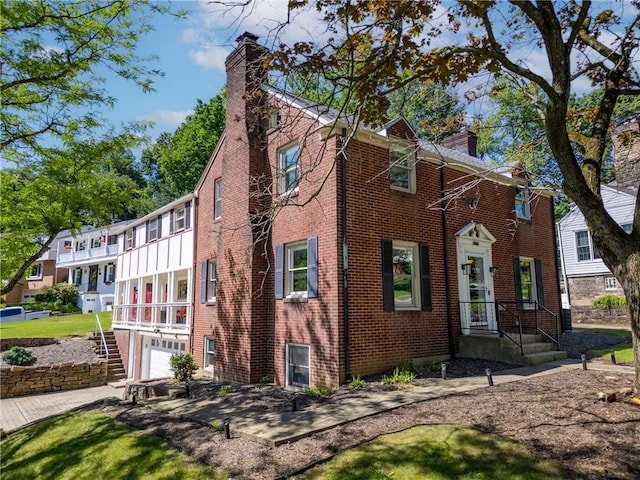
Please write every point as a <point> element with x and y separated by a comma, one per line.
<point>287,379</point>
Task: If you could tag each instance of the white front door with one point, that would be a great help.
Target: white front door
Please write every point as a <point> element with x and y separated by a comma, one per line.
<point>475,280</point>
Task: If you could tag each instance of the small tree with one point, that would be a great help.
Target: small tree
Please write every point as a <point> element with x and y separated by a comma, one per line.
<point>183,366</point>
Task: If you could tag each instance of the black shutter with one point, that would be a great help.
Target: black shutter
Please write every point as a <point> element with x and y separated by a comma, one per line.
<point>187,215</point>
<point>171,222</point>
<point>539,285</point>
<point>388,300</point>
<point>146,232</point>
<point>279,271</point>
<point>425,278</point>
<point>517,282</point>
<point>203,281</point>
<point>133,237</point>
<point>312,267</point>
<point>159,223</point>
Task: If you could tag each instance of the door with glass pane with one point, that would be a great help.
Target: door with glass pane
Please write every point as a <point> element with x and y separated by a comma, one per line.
<point>476,302</point>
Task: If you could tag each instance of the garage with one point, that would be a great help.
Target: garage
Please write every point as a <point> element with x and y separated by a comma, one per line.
<point>160,352</point>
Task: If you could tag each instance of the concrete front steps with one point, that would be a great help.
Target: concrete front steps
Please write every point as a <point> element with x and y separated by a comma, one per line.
<point>502,349</point>
<point>115,368</point>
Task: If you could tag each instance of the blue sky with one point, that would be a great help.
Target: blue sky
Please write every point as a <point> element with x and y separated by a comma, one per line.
<point>192,53</point>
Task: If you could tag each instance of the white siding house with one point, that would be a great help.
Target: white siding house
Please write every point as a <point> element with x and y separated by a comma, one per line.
<point>154,289</point>
<point>584,271</point>
<point>90,257</point>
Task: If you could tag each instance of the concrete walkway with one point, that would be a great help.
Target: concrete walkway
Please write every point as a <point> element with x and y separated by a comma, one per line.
<point>16,412</point>
<point>276,428</point>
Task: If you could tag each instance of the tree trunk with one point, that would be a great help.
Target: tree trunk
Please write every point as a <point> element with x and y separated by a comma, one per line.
<point>631,285</point>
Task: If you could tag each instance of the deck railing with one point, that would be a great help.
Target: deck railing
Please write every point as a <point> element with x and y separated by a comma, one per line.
<point>151,316</point>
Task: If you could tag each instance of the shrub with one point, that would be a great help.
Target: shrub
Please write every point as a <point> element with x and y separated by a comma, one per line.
<point>358,383</point>
<point>62,293</point>
<point>265,380</point>
<point>319,391</point>
<point>223,390</point>
<point>609,301</point>
<point>18,356</point>
<point>403,374</point>
<point>183,366</point>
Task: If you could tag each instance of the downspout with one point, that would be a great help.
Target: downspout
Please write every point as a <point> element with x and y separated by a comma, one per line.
<point>557,240</point>
<point>194,282</point>
<point>445,245</point>
<point>345,258</point>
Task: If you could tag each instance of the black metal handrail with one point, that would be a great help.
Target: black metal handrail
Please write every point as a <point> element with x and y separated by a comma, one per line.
<point>503,333</point>
<point>555,339</point>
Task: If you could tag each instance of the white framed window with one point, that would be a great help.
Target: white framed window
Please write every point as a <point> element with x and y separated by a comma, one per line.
<point>128,240</point>
<point>274,118</point>
<point>109,273</point>
<point>402,167</point>
<point>288,168</point>
<point>217,199</point>
<point>522,204</point>
<point>209,352</point>
<point>80,246</point>
<point>97,242</point>
<point>179,218</point>
<point>528,294</point>
<point>585,249</point>
<point>152,230</point>
<point>406,276</point>
<point>35,272</point>
<point>610,283</point>
<point>68,245</point>
<point>298,358</point>
<point>112,239</point>
<point>77,276</point>
<point>296,270</point>
<point>212,281</point>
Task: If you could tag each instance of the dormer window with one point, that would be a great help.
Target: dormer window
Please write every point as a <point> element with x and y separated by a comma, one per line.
<point>402,166</point>
<point>179,219</point>
<point>522,207</point>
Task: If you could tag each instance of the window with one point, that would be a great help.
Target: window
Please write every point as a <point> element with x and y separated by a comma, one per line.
<point>610,283</point>
<point>182,290</point>
<point>288,174</point>
<point>585,248</point>
<point>296,269</point>
<point>212,281</point>
<point>298,365</point>
<point>208,281</point>
<point>152,230</point>
<point>179,219</point>
<point>274,118</point>
<point>406,278</point>
<point>109,273</point>
<point>128,241</point>
<point>68,245</point>
<point>112,239</point>
<point>80,246</point>
<point>528,282</point>
<point>35,272</point>
<point>217,202</point>
<point>77,276</point>
<point>209,351</point>
<point>96,242</point>
<point>402,167</point>
<point>522,207</point>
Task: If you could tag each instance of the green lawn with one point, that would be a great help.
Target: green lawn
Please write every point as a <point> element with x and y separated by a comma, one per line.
<point>623,351</point>
<point>92,445</point>
<point>60,326</point>
<point>437,452</point>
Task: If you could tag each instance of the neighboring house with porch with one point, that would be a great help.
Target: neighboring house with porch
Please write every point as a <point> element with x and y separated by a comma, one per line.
<point>90,256</point>
<point>42,274</point>
<point>154,289</point>
<point>320,259</point>
<point>584,273</point>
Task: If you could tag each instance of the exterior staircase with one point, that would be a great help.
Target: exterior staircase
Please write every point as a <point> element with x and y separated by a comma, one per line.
<point>503,349</point>
<point>115,368</point>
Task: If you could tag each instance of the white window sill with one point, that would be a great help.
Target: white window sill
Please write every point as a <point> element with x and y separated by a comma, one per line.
<point>296,299</point>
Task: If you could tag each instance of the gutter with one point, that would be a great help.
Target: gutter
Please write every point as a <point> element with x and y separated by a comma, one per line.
<point>345,259</point>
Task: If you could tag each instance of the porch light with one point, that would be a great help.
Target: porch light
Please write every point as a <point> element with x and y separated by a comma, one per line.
<point>494,271</point>
<point>466,268</point>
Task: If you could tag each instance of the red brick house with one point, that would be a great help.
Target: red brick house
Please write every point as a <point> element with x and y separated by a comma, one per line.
<point>325,252</point>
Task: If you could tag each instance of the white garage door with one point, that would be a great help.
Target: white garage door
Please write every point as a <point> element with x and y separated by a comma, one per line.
<point>160,355</point>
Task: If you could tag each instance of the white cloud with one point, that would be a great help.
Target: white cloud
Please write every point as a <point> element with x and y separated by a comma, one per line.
<point>211,57</point>
<point>166,118</point>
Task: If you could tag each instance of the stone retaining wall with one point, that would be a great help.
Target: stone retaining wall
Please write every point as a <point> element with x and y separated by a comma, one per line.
<point>618,315</point>
<point>8,343</point>
<point>17,380</point>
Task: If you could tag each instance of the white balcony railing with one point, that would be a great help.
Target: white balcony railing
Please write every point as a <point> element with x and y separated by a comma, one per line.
<point>151,316</point>
<point>72,256</point>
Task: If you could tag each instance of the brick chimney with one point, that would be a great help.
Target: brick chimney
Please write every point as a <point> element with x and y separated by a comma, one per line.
<point>626,153</point>
<point>245,308</point>
<point>464,141</point>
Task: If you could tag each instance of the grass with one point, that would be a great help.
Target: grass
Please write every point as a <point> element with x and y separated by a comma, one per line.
<point>623,351</point>
<point>437,452</point>
<point>60,326</point>
<point>93,445</point>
